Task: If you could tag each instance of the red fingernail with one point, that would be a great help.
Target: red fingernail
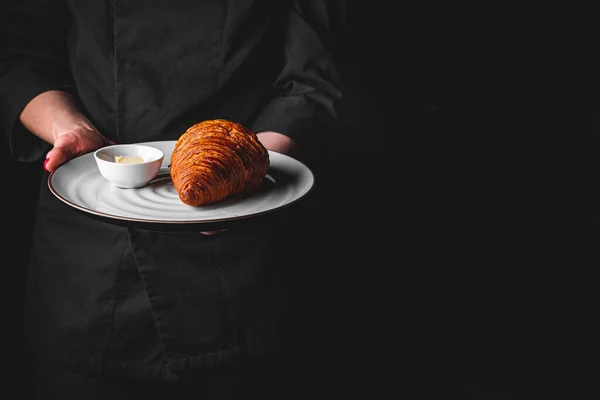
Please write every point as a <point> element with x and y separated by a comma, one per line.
<point>46,162</point>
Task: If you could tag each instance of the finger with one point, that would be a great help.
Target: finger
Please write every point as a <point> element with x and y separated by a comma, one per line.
<point>208,233</point>
<point>55,158</point>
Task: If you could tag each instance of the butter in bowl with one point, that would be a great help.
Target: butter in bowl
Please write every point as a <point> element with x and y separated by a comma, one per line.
<point>129,166</point>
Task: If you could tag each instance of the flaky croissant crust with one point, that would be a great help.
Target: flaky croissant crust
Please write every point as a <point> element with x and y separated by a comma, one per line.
<point>215,159</point>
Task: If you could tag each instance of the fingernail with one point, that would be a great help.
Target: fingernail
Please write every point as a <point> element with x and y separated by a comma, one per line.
<point>46,162</point>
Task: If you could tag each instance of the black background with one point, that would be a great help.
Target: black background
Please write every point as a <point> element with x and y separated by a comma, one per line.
<point>417,251</point>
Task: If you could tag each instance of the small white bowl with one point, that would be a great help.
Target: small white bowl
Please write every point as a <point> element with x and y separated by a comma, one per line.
<point>129,175</point>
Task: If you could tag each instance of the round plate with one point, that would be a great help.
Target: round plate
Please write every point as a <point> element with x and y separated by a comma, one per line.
<point>79,184</point>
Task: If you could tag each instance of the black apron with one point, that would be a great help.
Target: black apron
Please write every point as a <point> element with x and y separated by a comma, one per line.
<point>105,298</point>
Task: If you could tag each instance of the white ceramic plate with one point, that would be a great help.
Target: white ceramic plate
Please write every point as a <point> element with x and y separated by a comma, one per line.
<point>79,184</point>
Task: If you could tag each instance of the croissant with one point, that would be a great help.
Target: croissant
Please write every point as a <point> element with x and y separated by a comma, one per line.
<point>215,159</point>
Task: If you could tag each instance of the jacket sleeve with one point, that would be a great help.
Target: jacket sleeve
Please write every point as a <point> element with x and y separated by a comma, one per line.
<point>33,60</point>
<point>309,84</point>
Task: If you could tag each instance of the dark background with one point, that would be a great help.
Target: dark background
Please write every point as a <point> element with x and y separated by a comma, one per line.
<point>418,252</point>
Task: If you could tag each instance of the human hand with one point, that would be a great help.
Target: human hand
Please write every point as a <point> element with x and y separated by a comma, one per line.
<point>74,141</point>
<point>276,141</point>
<point>54,117</point>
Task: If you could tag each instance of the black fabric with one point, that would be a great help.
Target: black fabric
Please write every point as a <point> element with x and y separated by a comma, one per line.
<point>119,301</point>
<point>109,300</point>
<point>146,72</point>
<point>224,383</point>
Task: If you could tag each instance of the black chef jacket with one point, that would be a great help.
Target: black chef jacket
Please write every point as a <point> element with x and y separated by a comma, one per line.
<point>105,298</point>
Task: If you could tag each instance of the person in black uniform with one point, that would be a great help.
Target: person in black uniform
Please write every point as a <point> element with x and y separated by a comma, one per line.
<point>121,312</point>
